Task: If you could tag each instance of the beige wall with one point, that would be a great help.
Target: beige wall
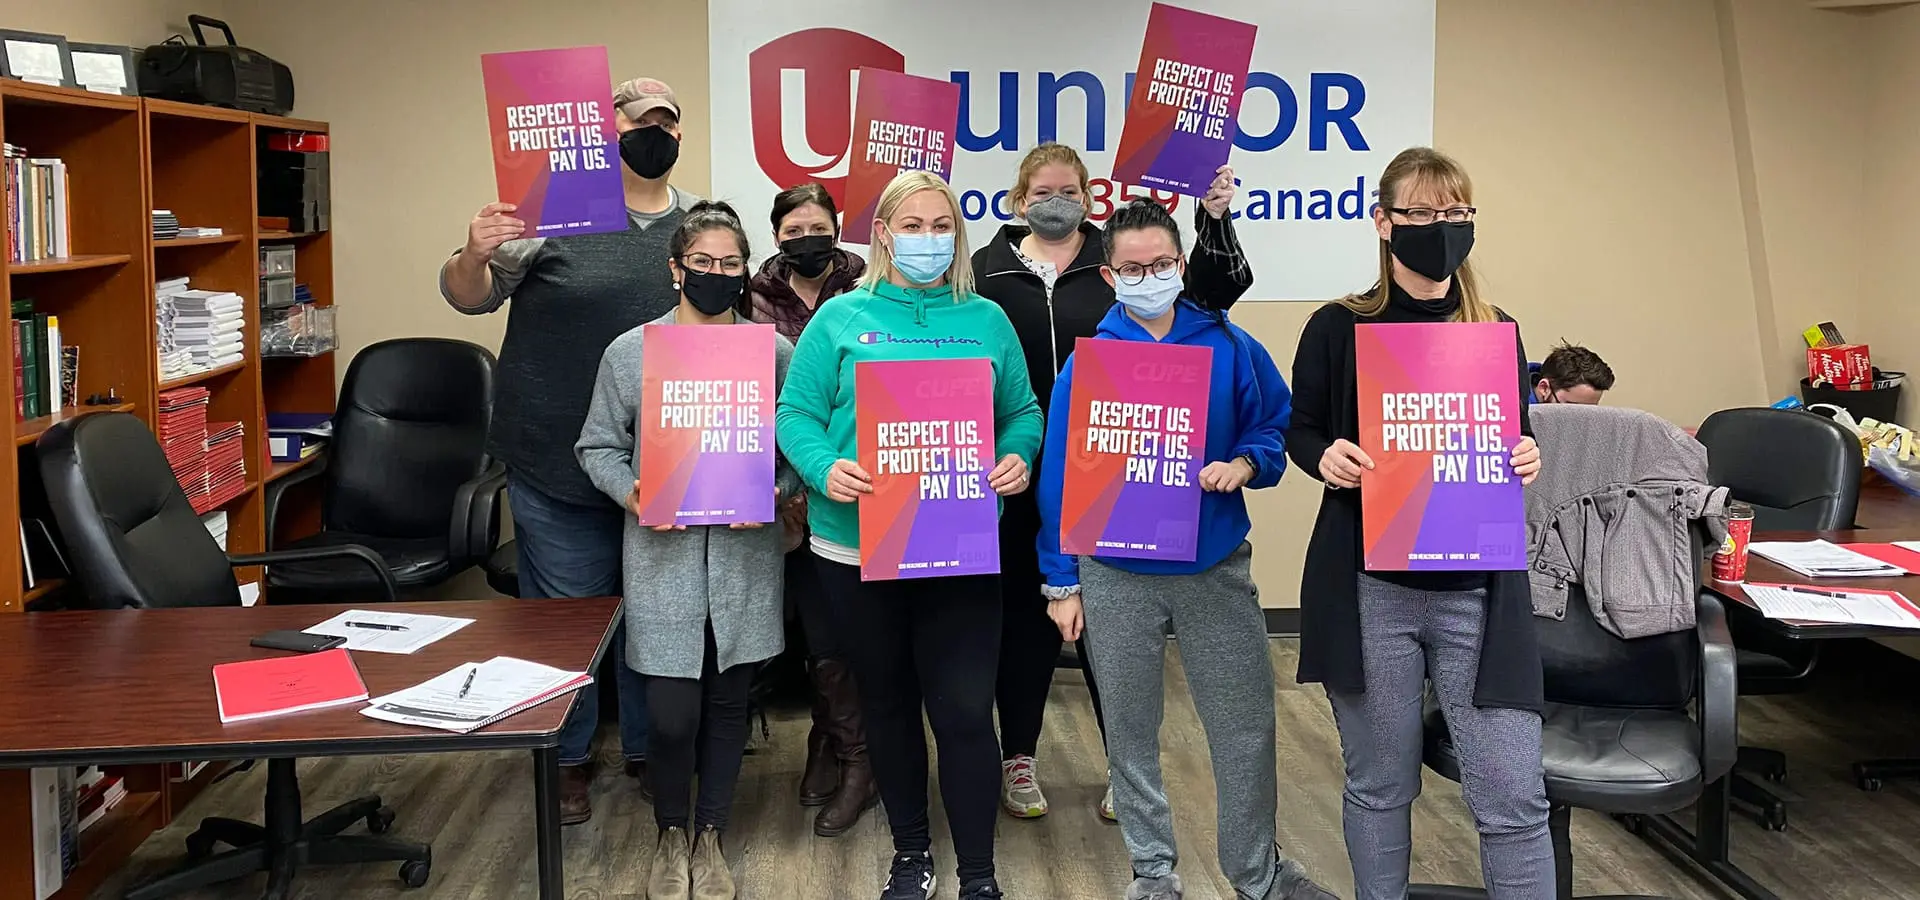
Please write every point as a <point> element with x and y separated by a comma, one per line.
<point>134,23</point>
<point>1680,184</point>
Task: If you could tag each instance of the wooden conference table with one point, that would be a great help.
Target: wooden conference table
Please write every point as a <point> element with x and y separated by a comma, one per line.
<point>1884,514</point>
<point>123,687</point>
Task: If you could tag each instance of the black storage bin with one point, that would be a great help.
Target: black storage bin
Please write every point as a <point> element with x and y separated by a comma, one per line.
<point>1881,404</point>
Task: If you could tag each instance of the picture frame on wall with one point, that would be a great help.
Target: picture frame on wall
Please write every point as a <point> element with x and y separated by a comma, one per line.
<point>35,57</point>
<point>104,68</point>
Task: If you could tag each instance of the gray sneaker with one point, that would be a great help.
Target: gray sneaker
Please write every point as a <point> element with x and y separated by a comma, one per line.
<point>1290,882</point>
<point>1166,887</point>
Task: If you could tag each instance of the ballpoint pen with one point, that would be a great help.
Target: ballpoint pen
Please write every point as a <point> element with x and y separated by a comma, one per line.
<point>468,685</point>
<point>1816,593</point>
<point>376,626</point>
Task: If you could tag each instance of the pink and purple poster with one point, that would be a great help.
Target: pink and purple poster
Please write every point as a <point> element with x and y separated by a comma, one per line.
<point>926,437</point>
<point>555,153</point>
<point>1183,114</point>
<point>705,441</point>
<point>1136,440</point>
<point>1439,415</point>
<point>901,123</point>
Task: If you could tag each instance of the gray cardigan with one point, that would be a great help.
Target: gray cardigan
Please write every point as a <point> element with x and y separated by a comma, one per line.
<point>676,581</point>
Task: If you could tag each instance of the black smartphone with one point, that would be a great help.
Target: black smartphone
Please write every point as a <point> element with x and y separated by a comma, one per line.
<point>298,641</point>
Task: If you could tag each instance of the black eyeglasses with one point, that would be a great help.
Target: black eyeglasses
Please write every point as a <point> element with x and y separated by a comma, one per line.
<point>1134,273</point>
<point>1420,215</point>
<point>727,265</point>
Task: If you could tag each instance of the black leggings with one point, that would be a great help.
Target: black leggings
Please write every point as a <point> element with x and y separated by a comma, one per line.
<point>1029,641</point>
<point>932,642</point>
<point>697,721</point>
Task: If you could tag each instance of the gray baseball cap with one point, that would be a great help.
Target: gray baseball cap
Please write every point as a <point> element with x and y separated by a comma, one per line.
<point>637,96</point>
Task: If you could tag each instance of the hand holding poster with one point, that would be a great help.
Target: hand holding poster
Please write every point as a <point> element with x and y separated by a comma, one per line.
<point>706,424</point>
<point>1136,434</point>
<point>1439,415</point>
<point>900,123</point>
<point>1183,114</point>
<point>926,438</point>
<point>554,149</point>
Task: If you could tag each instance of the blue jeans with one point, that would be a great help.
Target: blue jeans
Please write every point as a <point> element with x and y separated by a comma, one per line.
<point>569,550</point>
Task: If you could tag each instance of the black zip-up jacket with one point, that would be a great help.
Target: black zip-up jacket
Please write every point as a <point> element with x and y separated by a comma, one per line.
<point>1217,275</point>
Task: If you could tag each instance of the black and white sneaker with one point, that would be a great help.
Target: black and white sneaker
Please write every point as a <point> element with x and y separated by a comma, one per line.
<point>983,889</point>
<point>911,878</point>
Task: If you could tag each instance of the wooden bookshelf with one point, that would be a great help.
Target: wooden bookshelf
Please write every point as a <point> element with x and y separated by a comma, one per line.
<point>125,157</point>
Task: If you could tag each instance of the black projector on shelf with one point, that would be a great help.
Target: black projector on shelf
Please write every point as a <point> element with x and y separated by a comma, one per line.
<point>231,76</point>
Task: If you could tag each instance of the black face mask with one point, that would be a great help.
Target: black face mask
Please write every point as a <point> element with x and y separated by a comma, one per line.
<point>1434,250</point>
<point>711,292</point>
<point>650,151</point>
<point>810,255</point>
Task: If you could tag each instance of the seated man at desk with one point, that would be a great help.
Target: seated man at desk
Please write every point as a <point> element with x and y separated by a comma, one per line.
<point>1570,374</point>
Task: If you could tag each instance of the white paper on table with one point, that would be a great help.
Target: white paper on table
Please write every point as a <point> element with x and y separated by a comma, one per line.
<point>1854,608</point>
<point>501,687</point>
<point>416,631</point>
<point>1821,559</point>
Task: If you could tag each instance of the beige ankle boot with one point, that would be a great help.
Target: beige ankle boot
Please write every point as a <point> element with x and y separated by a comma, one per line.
<point>670,877</point>
<point>712,880</point>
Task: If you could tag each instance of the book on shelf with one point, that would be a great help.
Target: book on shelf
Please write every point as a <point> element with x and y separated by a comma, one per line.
<point>56,828</point>
<point>37,207</point>
<point>39,378</point>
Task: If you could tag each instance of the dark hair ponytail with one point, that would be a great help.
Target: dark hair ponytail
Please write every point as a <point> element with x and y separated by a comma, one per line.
<point>1139,215</point>
<point>714,215</point>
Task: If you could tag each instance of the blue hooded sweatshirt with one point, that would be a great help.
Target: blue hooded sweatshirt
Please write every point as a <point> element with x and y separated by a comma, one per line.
<point>1248,405</point>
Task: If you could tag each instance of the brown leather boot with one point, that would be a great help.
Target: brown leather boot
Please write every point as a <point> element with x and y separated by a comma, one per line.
<point>821,778</point>
<point>576,803</point>
<point>858,792</point>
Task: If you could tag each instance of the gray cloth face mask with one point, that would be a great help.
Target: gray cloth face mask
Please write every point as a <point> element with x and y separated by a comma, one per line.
<point>1056,217</point>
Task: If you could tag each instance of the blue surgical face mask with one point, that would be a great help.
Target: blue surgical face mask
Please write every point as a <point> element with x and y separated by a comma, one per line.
<point>923,258</point>
<point>1153,296</point>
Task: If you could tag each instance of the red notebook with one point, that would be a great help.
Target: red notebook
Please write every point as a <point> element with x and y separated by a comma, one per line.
<point>259,688</point>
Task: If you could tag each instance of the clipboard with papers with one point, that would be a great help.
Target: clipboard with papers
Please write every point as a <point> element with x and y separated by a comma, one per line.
<point>475,695</point>
<point>1823,559</point>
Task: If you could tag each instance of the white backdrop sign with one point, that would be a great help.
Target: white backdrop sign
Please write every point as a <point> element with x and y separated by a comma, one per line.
<point>1336,89</point>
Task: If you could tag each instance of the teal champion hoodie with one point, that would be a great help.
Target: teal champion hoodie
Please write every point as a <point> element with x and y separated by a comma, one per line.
<point>815,425</point>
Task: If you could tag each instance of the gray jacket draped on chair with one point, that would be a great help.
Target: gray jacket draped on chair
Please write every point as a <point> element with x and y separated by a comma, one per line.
<point>1618,494</point>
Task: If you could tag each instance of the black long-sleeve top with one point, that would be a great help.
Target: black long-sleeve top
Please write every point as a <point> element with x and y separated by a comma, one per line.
<point>1325,409</point>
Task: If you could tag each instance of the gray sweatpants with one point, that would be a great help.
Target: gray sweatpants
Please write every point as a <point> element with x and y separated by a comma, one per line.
<point>1409,637</point>
<point>1223,646</point>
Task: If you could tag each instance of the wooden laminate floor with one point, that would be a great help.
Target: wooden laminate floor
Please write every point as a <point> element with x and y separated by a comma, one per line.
<point>476,810</point>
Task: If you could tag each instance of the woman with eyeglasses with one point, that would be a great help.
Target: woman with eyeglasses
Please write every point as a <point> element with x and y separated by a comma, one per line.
<point>1046,275</point>
<point>702,604</point>
<point>925,643</point>
<point>1376,639</point>
<point>810,269</point>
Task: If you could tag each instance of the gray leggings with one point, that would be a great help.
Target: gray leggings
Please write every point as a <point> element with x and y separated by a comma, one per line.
<point>1223,647</point>
<point>1408,637</point>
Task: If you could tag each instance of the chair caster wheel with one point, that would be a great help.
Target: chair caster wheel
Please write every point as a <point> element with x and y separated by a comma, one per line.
<point>1774,819</point>
<point>199,846</point>
<point>1870,783</point>
<point>1777,776</point>
<point>413,873</point>
<point>380,821</point>
<point>1632,823</point>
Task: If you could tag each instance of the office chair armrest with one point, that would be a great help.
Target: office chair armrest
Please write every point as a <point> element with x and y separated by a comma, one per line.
<point>476,517</point>
<point>1718,694</point>
<point>310,554</point>
<point>278,487</point>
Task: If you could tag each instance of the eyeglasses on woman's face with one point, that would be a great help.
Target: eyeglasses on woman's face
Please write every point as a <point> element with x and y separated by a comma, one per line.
<point>1134,273</point>
<point>1423,215</point>
<point>725,265</point>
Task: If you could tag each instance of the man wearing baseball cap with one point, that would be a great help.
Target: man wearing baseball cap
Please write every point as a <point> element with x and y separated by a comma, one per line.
<point>571,296</point>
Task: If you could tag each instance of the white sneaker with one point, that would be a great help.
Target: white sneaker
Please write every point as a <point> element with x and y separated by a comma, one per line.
<point>1106,803</point>
<point>1021,795</point>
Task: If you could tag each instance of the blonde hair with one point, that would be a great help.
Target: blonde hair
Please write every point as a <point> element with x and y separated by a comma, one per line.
<point>1047,154</point>
<point>1414,168</point>
<point>880,255</point>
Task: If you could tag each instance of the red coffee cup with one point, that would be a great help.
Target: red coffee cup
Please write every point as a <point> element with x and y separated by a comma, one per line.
<point>1730,563</point>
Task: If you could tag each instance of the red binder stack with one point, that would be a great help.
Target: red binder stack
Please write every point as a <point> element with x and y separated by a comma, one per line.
<point>226,465</point>
<point>182,430</point>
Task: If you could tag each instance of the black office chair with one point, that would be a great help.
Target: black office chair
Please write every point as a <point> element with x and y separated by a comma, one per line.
<point>1618,736</point>
<point>407,473</point>
<point>1799,471</point>
<point>133,540</point>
